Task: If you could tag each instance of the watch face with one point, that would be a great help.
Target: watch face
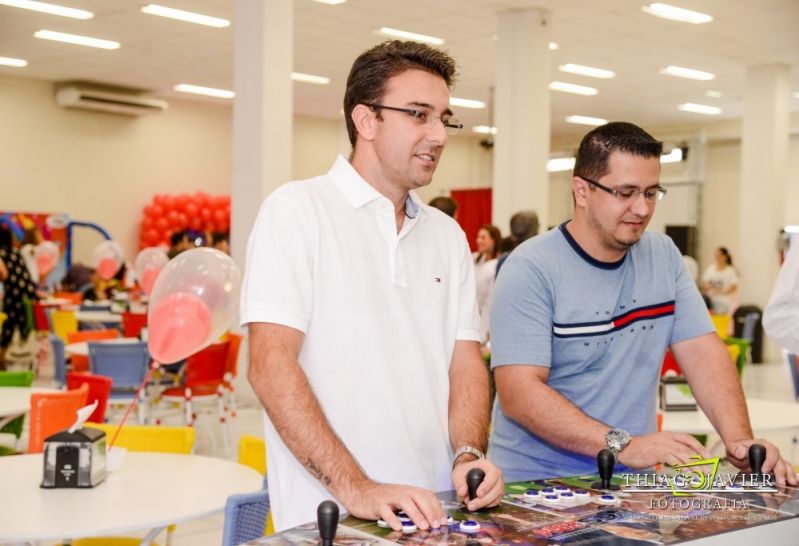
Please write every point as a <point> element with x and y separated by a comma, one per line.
<point>617,439</point>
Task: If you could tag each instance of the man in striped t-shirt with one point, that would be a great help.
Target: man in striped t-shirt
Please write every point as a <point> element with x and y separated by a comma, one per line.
<point>581,320</point>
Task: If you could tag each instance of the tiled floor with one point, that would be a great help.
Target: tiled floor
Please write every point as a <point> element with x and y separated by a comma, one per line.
<point>770,381</point>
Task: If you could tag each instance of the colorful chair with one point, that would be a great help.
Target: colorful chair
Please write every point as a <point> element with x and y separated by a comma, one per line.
<point>74,298</point>
<point>80,363</point>
<point>52,412</point>
<point>64,322</point>
<point>59,360</point>
<point>41,320</point>
<point>245,517</point>
<point>14,379</point>
<point>126,364</point>
<point>132,323</point>
<point>252,453</point>
<point>99,389</point>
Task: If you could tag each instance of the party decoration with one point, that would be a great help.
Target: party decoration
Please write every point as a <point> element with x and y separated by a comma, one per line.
<point>46,256</point>
<point>199,213</point>
<point>107,258</point>
<point>148,265</point>
<point>192,303</point>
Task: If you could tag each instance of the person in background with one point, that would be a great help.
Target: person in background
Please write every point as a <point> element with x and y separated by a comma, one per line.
<point>523,225</point>
<point>781,316</point>
<point>720,283</point>
<point>445,204</point>
<point>17,286</point>
<point>180,241</point>
<point>220,241</point>
<point>355,291</point>
<point>485,270</point>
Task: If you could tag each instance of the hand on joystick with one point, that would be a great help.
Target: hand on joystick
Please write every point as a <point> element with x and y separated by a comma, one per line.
<point>327,521</point>
<point>757,456</point>
<point>474,478</point>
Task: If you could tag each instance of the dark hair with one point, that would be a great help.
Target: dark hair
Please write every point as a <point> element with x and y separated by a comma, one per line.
<point>217,237</point>
<point>617,136</point>
<point>5,237</point>
<point>496,236</point>
<point>178,236</point>
<point>447,205</point>
<point>726,254</point>
<point>366,82</point>
<point>523,225</point>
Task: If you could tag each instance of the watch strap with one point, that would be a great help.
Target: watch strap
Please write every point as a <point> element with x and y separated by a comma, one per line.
<point>463,450</point>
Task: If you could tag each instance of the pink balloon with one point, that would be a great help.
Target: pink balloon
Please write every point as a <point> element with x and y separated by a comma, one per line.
<point>107,268</point>
<point>44,263</point>
<point>148,277</point>
<point>179,326</point>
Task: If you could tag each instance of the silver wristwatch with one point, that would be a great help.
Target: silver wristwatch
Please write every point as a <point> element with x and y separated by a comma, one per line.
<point>467,449</point>
<point>617,439</point>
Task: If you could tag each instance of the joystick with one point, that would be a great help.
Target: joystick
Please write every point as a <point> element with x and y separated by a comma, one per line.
<point>757,456</point>
<point>327,521</point>
<point>474,478</point>
<point>605,461</point>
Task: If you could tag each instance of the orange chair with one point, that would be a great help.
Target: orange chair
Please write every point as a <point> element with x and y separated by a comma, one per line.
<point>132,323</point>
<point>99,389</point>
<point>52,412</point>
<point>80,363</point>
<point>75,298</point>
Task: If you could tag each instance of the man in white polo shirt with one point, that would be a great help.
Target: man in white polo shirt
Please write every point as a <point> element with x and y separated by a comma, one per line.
<point>360,303</point>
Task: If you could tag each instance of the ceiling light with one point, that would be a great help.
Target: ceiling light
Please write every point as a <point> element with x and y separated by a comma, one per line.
<point>586,120</point>
<point>674,13</point>
<point>331,2</point>
<point>689,73</point>
<point>713,94</point>
<point>674,156</point>
<point>791,229</point>
<point>699,109</point>
<point>394,33</point>
<point>188,16</point>
<point>484,130</point>
<point>553,46</point>
<point>52,9</point>
<point>208,91</point>
<point>9,61</point>
<point>309,78</point>
<point>466,103</point>
<point>559,164</point>
<point>572,88</point>
<point>586,71</point>
<point>76,39</point>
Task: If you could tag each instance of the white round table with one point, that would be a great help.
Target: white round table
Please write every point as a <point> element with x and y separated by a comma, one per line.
<point>765,415</point>
<point>15,401</point>
<point>81,348</point>
<point>101,317</point>
<point>149,491</point>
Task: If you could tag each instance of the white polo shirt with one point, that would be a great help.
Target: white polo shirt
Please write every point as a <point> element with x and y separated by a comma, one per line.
<point>381,312</point>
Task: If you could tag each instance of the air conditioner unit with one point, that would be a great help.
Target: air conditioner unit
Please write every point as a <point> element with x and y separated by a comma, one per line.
<point>112,101</point>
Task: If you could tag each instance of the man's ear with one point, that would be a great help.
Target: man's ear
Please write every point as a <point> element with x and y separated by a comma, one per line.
<point>365,120</point>
<point>579,190</point>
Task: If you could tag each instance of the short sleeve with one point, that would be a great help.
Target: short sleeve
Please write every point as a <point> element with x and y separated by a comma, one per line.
<point>278,278</point>
<point>468,317</point>
<point>781,316</point>
<point>691,317</point>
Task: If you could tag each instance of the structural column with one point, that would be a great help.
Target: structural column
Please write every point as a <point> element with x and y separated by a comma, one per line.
<point>764,169</point>
<point>521,116</point>
<point>262,110</point>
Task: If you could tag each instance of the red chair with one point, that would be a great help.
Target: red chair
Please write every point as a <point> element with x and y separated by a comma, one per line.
<point>74,298</point>
<point>99,389</point>
<point>53,412</point>
<point>132,323</point>
<point>80,363</point>
<point>40,320</point>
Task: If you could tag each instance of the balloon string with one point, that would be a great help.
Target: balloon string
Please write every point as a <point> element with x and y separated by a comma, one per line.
<point>153,366</point>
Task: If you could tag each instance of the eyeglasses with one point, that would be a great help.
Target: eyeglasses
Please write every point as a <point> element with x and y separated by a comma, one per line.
<point>422,117</point>
<point>630,193</point>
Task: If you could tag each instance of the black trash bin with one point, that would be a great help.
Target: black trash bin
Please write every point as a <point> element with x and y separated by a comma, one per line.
<point>749,326</point>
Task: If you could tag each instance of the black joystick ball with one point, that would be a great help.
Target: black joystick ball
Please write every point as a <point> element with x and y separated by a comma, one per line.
<point>757,456</point>
<point>605,461</point>
<point>474,478</point>
<point>327,521</point>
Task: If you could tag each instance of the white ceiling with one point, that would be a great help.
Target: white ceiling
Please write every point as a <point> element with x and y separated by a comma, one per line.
<point>158,53</point>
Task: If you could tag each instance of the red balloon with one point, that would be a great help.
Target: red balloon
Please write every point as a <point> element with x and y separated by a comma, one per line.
<point>195,224</point>
<point>159,199</point>
<point>191,209</point>
<point>219,201</point>
<point>201,199</point>
<point>147,222</point>
<point>206,214</point>
<point>173,218</point>
<point>149,211</point>
<point>178,327</point>
<point>181,201</point>
<point>162,224</point>
<point>158,211</point>
<point>219,216</point>
<point>151,236</point>
<point>169,203</point>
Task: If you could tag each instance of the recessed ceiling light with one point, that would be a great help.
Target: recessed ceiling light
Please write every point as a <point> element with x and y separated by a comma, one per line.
<point>699,109</point>
<point>484,130</point>
<point>187,16</point>
<point>689,73</point>
<point>674,13</point>
<point>10,61</point>
<point>466,103</point>
<point>52,9</point>
<point>573,88</point>
<point>309,78</point>
<point>558,164</point>
<point>208,91</point>
<point>553,46</point>
<point>76,39</point>
<point>713,94</point>
<point>586,71</point>
<point>586,120</point>
<point>331,2</point>
<point>404,34</point>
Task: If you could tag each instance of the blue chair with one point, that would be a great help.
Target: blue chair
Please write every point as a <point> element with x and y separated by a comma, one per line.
<point>59,359</point>
<point>245,517</point>
<point>126,364</point>
<point>793,368</point>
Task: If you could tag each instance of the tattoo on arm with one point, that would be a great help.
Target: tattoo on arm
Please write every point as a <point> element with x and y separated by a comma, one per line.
<point>317,473</point>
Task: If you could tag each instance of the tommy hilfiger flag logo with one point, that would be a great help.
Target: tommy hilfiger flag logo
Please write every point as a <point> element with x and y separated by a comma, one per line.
<point>438,279</point>
<point>584,329</point>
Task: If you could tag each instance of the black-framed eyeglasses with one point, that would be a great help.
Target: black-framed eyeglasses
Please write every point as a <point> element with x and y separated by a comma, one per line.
<point>630,193</point>
<point>423,117</point>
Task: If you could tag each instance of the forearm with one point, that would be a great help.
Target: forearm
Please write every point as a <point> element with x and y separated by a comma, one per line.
<point>469,404</point>
<point>548,414</point>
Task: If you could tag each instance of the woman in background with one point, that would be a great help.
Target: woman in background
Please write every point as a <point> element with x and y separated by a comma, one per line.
<point>720,283</point>
<point>485,269</point>
<point>17,286</point>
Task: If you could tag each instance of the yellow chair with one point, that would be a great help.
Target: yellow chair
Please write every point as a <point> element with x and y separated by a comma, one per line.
<point>722,324</point>
<point>252,453</point>
<point>64,322</point>
<point>143,438</point>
